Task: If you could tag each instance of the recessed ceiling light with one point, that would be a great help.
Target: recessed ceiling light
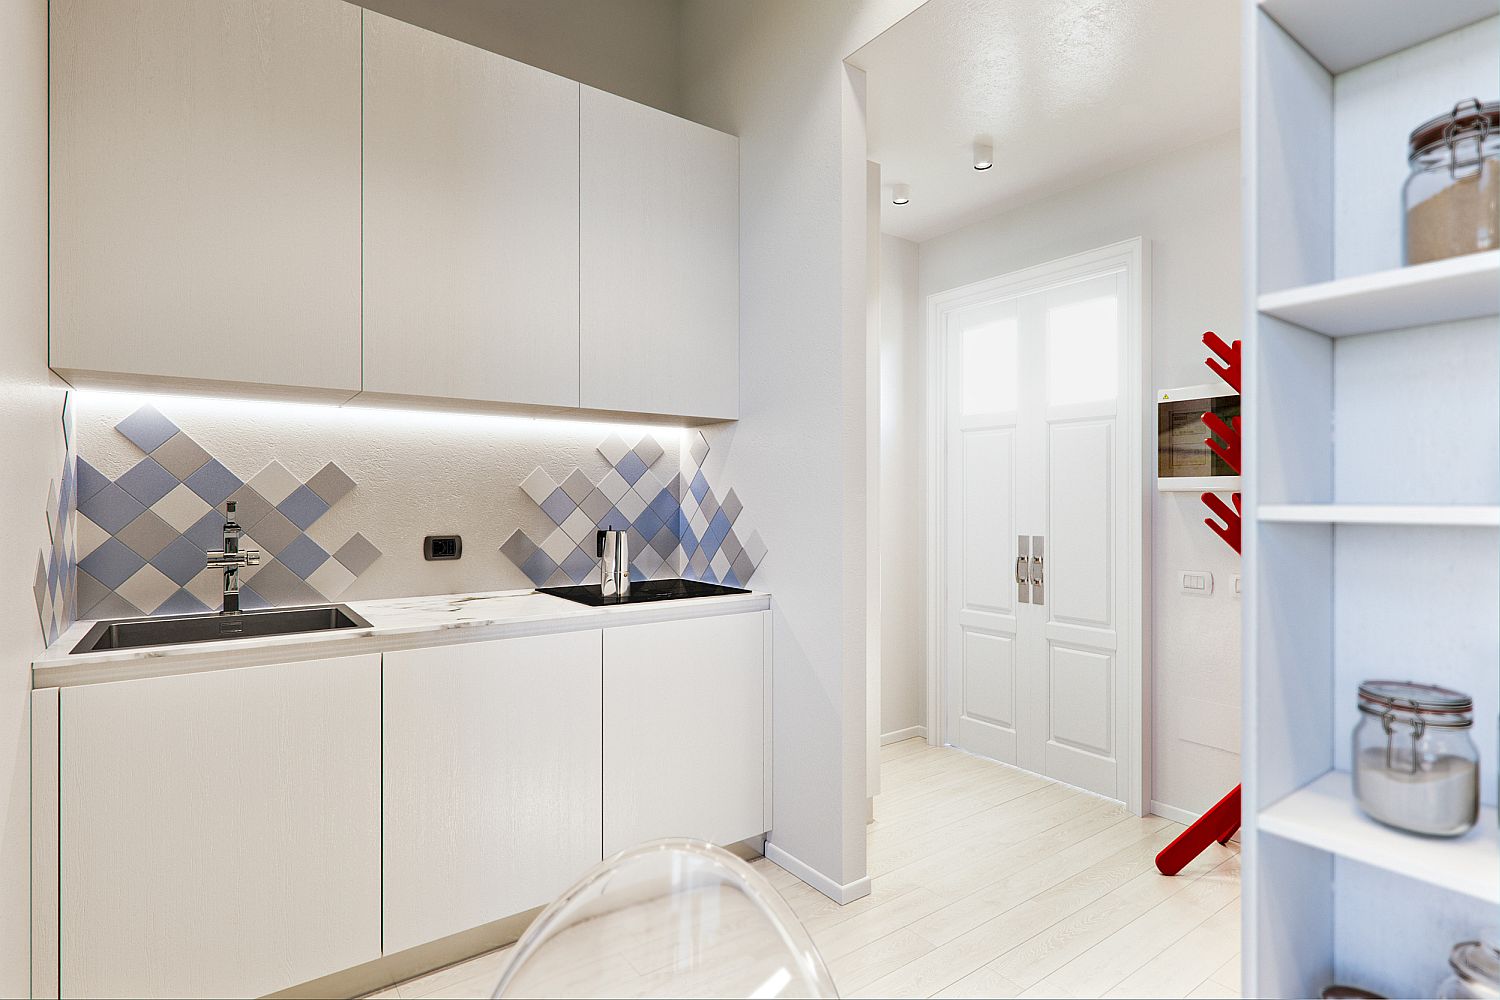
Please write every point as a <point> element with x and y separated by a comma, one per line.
<point>900,194</point>
<point>984,155</point>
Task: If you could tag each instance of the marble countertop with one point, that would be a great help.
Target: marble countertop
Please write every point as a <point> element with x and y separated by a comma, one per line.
<point>397,623</point>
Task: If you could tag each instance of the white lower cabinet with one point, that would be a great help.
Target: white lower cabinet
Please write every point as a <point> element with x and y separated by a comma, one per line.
<point>492,780</point>
<point>219,832</point>
<point>685,734</point>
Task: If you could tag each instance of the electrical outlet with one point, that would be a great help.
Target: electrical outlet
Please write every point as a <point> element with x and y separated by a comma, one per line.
<point>439,547</point>
<point>1197,583</point>
<point>1236,585</point>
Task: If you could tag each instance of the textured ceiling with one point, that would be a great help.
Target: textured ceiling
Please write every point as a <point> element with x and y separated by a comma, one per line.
<point>1068,90</point>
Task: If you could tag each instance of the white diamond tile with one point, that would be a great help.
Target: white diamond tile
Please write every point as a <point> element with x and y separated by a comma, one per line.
<point>649,451</point>
<point>613,485</point>
<point>755,548</point>
<point>558,579</point>
<point>578,485</point>
<point>649,485</point>
<point>699,523</point>
<point>181,508</point>
<point>208,587</point>
<point>147,588</point>
<point>331,579</point>
<point>558,545</point>
<point>613,448</point>
<point>697,447</point>
<point>648,560</point>
<point>666,571</point>
<point>89,535</point>
<point>688,504</point>
<point>630,505</point>
<point>719,564</point>
<point>538,486</point>
<point>275,483</point>
<point>578,525</point>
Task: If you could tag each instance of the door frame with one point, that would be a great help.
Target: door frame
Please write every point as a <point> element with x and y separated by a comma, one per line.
<point>1134,258</point>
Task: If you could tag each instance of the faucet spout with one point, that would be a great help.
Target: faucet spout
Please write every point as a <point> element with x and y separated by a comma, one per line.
<point>231,560</point>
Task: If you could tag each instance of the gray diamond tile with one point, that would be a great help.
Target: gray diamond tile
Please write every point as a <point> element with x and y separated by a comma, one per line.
<point>112,508</point>
<point>698,564</point>
<point>146,428</point>
<point>283,588</point>
<point>578,565</point>
<point>90,593</point>
<point>90,481</point>
<point>249,506</point>
<point>275,533</point>
<point>180,560</point>
<point>39,586</point>
<point>577,485</point>
<point>181,603</point>
<point>147,535</point>
<point>698,448</point>
<point>180,455</point>
<point>518,547</point>
<point>709,504</point>
<point>648,450</point>
<point>357,554</point>
<point>742,568</point>
<point>595,506</point>
<point>539,567</point>
<point>731,506</point>
<point>331,483</point>
<point>115,606</point>
<point>731,547</point>
<point>251,601</point>
<point>664,542</point>
<point>674,487</point>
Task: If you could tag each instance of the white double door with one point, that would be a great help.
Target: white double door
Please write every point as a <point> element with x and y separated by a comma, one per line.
<point>1036,500</point>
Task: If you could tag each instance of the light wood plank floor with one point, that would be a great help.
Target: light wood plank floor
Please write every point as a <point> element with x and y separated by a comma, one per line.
<point>993,882</point>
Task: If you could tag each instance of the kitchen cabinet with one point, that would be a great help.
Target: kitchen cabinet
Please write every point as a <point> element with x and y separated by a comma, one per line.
<point>659,217</point>
<point>205,195</point>
<point>492,796</point>
<point>686,741</point>
<point>470,223</point>
<point>219,832</point>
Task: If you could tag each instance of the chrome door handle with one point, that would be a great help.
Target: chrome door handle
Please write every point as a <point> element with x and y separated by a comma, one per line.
<point>1036,570</point>
<point>1023,569</point>
<point>1035,576</point>
<point>1022,576</point>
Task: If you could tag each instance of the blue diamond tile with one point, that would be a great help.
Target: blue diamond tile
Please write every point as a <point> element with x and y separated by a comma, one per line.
<point>111,563</point>
<point>664,542</point>
<point>303,507</point>
<point>648,523</point>
<point>180,560</point>
<point>631,467</point>
<point>208,532</point>
<point>213,482</point>
<point>558,505</point>
<point>578,565</point>
<point>303,556</point>
<point>614,520</point>
<point>699,486</point>
<point>90,481</point>
<point>251,601</point>
<point>718,527</point>
<point>181,603</point>
<point>708,575</point>
<point>146,428</point>
<point>636,576</point>
<point>689,540</point>
<point>539,567</point>
<point>730,580</point>
<point>148,482</point>
<point>665,507</point>
<point>112,508</point>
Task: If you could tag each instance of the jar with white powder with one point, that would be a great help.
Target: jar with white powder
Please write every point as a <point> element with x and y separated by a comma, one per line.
<point>1415,765</point>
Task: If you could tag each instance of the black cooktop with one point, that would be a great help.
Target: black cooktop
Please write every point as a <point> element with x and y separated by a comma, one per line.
<point>642,592</point>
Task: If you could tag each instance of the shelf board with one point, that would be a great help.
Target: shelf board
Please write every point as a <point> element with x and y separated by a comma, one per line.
<point>1324,815</point>
<point>1452,515</point>
<point>1197,484</point>
<point>1437,292</point>
<point>1343,34</point>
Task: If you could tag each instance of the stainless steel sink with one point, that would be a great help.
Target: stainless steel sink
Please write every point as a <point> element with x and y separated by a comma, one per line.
<point>643,592</point>
<point>131,633</point>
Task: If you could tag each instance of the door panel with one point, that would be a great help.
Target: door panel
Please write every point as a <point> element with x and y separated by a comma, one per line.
<point>1080,557</point>
<point>989,476</point>
<point>989,678</point>
<point>1082,699</point>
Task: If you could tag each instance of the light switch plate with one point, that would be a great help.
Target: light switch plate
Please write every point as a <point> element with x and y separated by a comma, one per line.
<point>1196,583</point>
<point>1236,585</point>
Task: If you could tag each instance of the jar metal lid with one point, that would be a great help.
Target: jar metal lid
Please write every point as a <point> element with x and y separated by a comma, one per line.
<point>1378,697</point>
<point>1468,119</point>
<point>1477,962</point>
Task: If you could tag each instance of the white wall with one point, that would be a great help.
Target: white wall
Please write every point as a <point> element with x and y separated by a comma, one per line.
<point>902,568</point>
<point>1187,205</point>
<point>30,409</point>
<point>625,47</point>
<point>772,74</point>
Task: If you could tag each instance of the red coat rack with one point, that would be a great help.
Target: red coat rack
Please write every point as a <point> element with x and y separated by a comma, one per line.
<point>1221,821</point>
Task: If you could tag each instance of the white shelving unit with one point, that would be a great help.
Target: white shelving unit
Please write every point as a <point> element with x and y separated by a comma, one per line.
<point>1197,484</point>
<point>1373,489</point>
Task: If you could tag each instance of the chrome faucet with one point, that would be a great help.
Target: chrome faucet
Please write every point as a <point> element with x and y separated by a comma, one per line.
<point>614,564</point>
<point>230,559</point>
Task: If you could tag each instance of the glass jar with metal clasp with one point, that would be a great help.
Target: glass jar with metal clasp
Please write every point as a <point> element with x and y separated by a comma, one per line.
<point>1451,200</point>
<point>1415,765</point>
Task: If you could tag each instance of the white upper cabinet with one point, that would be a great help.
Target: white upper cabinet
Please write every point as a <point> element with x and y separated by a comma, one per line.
<point>660,255</point>
<point>470,223</point>
<point>205,194</point>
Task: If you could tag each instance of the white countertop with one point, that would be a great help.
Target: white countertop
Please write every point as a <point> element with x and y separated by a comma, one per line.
<point>398,623</point>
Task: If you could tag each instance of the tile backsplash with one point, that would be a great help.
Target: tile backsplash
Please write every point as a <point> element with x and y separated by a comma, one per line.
<point>337,501</point>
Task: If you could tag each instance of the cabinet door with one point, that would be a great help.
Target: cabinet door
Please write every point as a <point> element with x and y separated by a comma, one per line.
<point>685,732</point>
<point>205,194</point>
<point>220,831</point>
<point>492,798</point>
<point>471,222</point>
<point>660,252</point>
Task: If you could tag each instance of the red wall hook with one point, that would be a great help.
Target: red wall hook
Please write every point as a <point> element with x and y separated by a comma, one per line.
<point>1229,449</point>
<point>1228,367</point>
<point>1230,529</point>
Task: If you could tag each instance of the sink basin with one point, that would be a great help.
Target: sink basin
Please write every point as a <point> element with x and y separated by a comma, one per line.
<point>642,592</point>
<point>131,633</point>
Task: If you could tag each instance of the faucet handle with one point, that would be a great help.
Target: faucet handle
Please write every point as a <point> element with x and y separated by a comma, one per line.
<point>252,557</point>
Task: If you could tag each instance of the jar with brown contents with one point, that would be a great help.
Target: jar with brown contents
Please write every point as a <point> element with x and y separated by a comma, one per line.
<point>1452,196</point>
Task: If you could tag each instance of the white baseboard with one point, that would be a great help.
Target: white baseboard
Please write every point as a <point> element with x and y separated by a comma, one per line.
<point>839,893</point>
<point>1182,816</point>
<point>909,733</point>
